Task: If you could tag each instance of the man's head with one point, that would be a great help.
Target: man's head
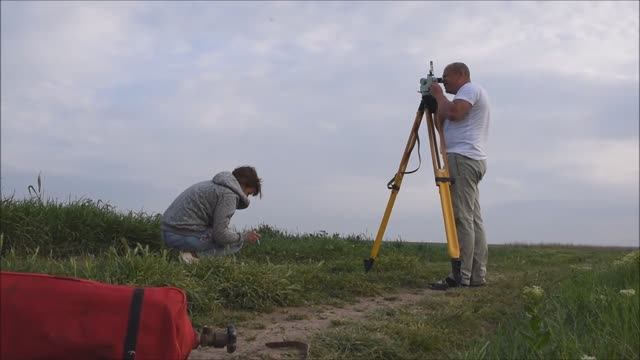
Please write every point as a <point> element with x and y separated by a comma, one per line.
<point>454,76</point>
<point>249,181</point>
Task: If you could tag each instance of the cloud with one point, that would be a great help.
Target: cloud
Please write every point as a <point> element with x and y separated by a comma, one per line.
<point>320,97</point>
<point>73,45</point>
<point>544,38</point>
<point>347,194</point>
<point>609,163</point>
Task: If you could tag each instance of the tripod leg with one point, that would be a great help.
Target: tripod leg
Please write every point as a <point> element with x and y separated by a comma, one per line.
<point>443,181</point>
<point>449,221</point>
<point>397,181</point>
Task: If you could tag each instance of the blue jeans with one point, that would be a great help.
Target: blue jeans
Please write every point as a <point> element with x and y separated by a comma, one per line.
<point>202,245</point>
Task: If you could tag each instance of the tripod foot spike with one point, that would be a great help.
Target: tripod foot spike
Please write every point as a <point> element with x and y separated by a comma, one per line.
<point>368,264</point>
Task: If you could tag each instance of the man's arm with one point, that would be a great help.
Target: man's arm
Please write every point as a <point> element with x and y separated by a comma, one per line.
<point>455,110</point>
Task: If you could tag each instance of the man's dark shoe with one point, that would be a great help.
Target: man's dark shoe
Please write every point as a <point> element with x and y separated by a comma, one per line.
<point>443,284</point>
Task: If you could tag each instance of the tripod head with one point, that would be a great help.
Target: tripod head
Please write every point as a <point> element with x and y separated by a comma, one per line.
<point>425,83</point>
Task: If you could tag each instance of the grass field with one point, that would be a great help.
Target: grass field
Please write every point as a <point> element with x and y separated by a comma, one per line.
<point>542,302</point>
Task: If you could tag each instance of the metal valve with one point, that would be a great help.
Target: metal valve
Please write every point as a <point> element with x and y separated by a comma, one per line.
<point>220,338</point>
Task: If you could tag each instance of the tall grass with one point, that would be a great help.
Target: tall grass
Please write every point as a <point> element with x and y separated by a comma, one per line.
<point>581,310</point>
<point>89,239</point>
<point>74,227</point>
<point>595,313</point>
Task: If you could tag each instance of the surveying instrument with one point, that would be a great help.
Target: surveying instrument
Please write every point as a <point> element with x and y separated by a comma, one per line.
<point>428,106</point>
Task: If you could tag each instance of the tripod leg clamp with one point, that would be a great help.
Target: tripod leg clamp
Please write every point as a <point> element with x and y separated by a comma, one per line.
<point>391,185</point>
<point>446,179</point>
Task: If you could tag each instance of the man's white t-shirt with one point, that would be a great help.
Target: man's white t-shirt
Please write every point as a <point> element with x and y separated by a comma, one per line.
<point>468,136</point>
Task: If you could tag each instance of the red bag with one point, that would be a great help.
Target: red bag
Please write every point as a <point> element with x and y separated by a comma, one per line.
<point>51,317</point>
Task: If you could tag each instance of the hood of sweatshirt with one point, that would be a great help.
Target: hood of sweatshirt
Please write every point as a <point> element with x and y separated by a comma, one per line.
<point>229,181</point>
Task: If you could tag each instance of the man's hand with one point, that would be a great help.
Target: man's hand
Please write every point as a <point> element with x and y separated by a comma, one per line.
<point>441,114</point>
<point>252,237</point>
<point>436,90</point>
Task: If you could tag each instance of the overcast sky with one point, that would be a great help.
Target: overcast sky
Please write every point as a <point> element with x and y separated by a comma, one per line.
<point>131,103</point>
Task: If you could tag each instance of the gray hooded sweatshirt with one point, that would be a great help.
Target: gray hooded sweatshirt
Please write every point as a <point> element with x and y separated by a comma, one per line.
<point>207,206</point>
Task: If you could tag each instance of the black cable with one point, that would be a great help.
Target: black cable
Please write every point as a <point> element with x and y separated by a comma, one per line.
<point>419,157</point>
<point>390,184</point>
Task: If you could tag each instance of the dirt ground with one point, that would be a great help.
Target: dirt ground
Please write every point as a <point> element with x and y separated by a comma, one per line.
<point>299,324</point>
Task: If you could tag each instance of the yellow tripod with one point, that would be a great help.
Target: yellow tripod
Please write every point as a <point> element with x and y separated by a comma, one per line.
<point>428,107</point>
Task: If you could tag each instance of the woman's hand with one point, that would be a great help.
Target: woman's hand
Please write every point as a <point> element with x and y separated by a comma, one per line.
<point>252,237</point>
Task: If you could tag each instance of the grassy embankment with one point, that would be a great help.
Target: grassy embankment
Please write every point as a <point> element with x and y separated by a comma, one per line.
<point>542,301</point>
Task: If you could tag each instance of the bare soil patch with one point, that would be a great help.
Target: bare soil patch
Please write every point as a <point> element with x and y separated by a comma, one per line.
<point>300,323</point>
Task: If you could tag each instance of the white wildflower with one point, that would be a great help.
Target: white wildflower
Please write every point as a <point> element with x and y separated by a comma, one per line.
<point>534,292</point>
<point>628,292</point>
<point>629,259</point>
<point>587,357</point>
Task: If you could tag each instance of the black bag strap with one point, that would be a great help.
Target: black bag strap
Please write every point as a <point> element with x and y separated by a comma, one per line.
<point>133,324</point>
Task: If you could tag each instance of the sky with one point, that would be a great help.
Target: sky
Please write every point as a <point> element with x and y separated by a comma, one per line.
<point>132,102</point>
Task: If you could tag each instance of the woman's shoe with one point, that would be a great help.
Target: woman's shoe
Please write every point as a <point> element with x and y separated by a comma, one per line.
<point>188,257</point>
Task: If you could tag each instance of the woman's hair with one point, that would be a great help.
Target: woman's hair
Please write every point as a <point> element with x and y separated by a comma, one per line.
<point>248,177</point>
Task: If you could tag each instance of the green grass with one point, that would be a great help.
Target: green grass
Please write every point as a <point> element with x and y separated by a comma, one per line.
<point>591,313</point>
<point>71,228</point>
<point>492,322</point>
<point>581,313</point>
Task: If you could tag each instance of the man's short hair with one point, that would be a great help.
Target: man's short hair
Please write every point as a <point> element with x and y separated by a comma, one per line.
<point>248,177</point>
<point>460,68</point>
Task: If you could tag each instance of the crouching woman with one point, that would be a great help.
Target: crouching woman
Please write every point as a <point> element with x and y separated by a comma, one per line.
<point>197,222</point>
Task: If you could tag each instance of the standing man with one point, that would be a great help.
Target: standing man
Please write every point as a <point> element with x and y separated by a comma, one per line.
<point>465,122</point>
<point>197,222</point>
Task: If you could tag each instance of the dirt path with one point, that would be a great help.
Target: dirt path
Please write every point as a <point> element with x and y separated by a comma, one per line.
<point>300,323</point>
